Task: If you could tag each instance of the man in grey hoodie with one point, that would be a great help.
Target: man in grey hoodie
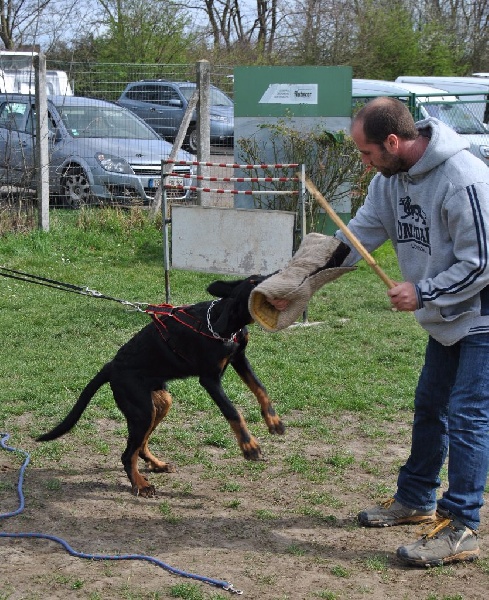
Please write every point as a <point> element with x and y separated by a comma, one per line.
<point>430,197</point>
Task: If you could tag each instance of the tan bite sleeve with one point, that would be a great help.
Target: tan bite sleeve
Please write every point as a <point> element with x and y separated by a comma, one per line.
<point>303,275</point>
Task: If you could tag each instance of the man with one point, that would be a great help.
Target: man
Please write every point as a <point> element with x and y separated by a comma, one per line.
<point>430,197</point>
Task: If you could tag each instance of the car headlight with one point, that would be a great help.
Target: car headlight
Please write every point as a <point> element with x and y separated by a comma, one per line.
<point>484,150</point>
<point>114,164</point>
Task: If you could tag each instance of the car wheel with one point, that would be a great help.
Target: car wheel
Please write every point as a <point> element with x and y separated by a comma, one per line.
<point>191,140</point>
<point>75,189</point>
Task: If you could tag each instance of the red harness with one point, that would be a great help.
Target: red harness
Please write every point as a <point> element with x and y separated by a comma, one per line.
<point>179,314</point>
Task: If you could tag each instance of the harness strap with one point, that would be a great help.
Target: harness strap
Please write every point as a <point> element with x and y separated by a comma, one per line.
<point>180,315</point>
<point>162,329</point>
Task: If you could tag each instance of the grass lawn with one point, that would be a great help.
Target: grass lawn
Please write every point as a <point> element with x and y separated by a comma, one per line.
<point>361,357</point>
<point>356,360</point>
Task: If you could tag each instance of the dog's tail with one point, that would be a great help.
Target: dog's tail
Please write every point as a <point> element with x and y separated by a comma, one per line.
<point>76,412</point>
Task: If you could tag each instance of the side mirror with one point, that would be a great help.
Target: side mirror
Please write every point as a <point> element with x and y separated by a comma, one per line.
<point>54,136</point>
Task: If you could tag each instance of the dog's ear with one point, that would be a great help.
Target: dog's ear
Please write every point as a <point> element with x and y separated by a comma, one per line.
<point>222,289</point>
<point>227,289</point>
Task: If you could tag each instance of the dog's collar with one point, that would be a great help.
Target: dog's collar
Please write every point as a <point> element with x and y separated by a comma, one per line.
<point>178,313</point>
<point>209,325</point>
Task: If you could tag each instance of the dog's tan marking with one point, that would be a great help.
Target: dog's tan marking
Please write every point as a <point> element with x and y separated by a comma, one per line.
<point>273,421</point>
<point>139,484</point>
<point>162,402</point>
<point>223,364</point>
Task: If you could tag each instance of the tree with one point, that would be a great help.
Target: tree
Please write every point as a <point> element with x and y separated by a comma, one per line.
<point>320,32</point>
<point>143,31</point>
<point>230,24</point>
<point>19,21</point>
<point>40,24</point>
<point>467,21</point>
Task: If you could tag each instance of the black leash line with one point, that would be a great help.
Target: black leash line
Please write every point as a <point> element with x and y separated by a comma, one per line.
<point>65,287</point>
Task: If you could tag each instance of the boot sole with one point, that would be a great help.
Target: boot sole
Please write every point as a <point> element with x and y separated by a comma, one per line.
<point>468,556</point>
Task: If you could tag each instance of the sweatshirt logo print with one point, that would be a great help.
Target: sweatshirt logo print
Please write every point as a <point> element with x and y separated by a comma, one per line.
<point>411,225</point>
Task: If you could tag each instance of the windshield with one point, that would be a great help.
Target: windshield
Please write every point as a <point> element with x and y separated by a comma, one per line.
<point>216,98</point>
<point>103,122</point>
<point>456,116</point>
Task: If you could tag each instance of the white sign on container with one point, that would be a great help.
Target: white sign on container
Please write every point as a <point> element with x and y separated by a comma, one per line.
<point>231,241</point>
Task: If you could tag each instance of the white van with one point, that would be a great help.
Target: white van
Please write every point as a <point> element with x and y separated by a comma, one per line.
<point>17,75</point>
<point>427,101</point>
<point>22,81</point>
<point>473,90</point>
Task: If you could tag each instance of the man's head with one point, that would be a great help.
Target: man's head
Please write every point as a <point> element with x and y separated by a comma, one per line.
<point>385,133</point>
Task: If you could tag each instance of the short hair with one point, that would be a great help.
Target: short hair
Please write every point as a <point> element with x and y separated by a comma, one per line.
<point>386,115</point>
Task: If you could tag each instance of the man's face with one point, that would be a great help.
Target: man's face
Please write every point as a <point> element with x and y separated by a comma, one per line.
<point>384,157</point>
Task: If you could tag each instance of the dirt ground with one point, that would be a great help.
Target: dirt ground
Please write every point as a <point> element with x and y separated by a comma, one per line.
<point>253,536</point>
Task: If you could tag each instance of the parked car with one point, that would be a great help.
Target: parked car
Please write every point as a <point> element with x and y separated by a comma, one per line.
<point>162,105</point>
<point>430,102</point>
<point>98,151</point>
<point>473,90</point>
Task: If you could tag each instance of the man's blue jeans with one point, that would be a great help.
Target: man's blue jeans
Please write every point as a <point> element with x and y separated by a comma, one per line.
<point>451,417</point>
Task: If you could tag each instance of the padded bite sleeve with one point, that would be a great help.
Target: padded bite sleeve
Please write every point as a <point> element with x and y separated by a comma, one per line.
<point>316,262</point>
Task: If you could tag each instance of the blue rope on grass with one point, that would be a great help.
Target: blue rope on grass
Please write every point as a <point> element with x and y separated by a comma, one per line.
<point>4,437</point>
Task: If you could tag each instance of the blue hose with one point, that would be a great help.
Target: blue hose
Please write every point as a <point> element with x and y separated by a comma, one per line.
<point>4,437</point>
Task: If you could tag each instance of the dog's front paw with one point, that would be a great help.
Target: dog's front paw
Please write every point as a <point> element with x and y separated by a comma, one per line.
<point>162,467</point>
<point>273,421</point>
<point>276,427</point>
<point>252,451</point>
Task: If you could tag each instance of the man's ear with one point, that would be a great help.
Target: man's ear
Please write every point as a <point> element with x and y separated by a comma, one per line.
<point>391,143</point>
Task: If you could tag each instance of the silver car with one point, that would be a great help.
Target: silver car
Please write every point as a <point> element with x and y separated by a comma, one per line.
<point>98,152</point>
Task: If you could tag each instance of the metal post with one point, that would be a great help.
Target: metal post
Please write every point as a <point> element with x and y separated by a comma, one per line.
<point>42,142</point>
<point>203,120</point>
<point>303,220</point>
<point>166,245</point>
<point>303,202</point>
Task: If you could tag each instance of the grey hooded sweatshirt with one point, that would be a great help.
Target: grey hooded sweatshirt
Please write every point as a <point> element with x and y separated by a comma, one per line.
<point>437,217</point>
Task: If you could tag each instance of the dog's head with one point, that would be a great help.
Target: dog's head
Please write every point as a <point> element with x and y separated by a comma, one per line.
<point>233,310</point>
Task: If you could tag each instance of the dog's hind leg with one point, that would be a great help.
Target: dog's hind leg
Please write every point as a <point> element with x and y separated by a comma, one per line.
<point>140,485</point>
<point>249,445</point>
<point>162,402</point>
<point>133,397</point>
<point>243,368</point>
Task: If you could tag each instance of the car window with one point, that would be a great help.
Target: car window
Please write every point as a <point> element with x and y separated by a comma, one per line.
<point>187,91</point>
<point>216,97</point>
<point>104,122</point>
<point>31,122</point>
<point>166,93</point>
<point>12,115</point>
<point>456,116</point>
<point>144,93</point>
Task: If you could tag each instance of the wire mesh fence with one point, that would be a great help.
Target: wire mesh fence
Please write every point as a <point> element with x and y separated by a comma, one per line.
<point>109,127</point>
<point>107,81</point>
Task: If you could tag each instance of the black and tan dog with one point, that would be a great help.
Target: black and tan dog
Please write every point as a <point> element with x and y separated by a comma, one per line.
<point>198,340</point>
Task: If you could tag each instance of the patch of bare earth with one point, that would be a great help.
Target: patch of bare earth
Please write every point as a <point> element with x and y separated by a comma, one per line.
<point>257,535</point>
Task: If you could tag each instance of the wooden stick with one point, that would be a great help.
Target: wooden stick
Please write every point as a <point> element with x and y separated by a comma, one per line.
<point>369,259</point>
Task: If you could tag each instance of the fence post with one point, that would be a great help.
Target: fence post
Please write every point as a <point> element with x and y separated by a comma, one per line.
<point>203,75</point>
<point>42,144</point>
